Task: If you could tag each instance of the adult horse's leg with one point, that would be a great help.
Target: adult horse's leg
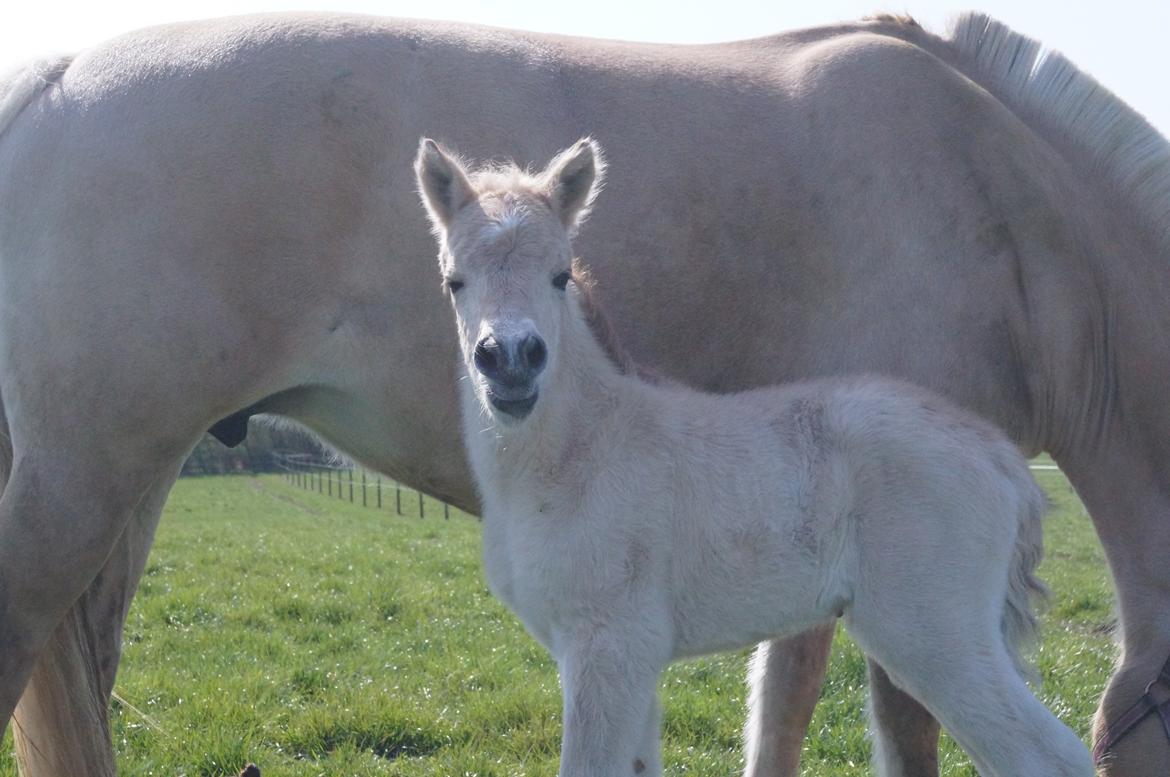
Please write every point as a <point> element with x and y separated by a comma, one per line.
<point>784,682</point>
<point>62,720</point>
<point>905,735</point>
<point>61,517</point>
<point>1130,507</point>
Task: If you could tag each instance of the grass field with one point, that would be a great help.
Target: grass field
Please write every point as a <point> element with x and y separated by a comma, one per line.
<point>318,638</point>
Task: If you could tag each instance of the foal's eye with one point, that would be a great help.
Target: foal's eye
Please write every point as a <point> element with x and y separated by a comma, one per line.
<point>562,280</point>
<point>452,284</point>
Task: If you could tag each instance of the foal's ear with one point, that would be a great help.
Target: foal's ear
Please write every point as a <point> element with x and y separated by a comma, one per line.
<point>572,180</point>
<point>442,183</point>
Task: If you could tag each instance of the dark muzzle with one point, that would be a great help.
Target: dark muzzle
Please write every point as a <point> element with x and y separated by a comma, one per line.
<point>511,365</point>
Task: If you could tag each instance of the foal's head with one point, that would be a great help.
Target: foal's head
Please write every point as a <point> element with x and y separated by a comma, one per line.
<point>506,263</point>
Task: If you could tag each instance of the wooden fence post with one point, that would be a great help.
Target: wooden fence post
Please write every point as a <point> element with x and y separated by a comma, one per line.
<point>398,496</point>
<point>421,510</point>
<point>379,492</point>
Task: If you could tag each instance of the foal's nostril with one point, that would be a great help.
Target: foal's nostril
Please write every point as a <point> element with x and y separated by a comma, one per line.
<point>487,356</point>
<point>534,352</point>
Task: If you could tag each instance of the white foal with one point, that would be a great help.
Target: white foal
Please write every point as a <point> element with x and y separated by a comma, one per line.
<point>630,523</point>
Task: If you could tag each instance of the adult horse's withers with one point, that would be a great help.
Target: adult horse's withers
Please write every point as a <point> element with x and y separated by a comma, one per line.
<point>208,219</point>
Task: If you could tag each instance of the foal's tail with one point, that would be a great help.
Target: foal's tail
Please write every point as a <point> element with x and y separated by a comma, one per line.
<point>1025,590</point>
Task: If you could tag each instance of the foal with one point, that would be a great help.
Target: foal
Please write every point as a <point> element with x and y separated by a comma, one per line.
<point>630,524</point>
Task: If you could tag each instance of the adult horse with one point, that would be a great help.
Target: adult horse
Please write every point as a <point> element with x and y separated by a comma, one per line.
<point>205,221</point>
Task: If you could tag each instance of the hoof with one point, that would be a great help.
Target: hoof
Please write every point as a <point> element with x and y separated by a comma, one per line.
<point>251,770</point>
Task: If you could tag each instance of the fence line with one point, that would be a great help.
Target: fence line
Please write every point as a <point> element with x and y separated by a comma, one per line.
<point>311,473</point>
<point>304,470</point>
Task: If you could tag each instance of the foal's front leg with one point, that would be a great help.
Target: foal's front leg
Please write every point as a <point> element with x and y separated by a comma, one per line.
<point>609,681</point>
<point>649,758</point>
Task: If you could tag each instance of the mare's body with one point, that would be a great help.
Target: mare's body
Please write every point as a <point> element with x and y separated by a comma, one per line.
<point>209,217</point>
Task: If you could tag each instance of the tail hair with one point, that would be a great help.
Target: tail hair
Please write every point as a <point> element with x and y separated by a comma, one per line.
<point>1025,590</point>
<point>19,88</point>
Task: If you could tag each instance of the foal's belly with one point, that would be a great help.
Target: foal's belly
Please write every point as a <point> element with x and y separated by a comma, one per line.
<point>736,619</point>
<point>749,581</point>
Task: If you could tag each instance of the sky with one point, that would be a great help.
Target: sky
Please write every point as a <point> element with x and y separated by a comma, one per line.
<point>1125,44</point>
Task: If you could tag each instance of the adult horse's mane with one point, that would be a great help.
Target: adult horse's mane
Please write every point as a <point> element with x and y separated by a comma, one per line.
<point>600,326</point>
<point>1047,90</point>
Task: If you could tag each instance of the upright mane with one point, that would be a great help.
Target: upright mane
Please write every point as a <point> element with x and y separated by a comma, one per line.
<point>1050,93</point>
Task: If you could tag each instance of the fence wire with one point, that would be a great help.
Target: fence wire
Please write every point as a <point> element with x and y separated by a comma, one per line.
<point>312,473</point>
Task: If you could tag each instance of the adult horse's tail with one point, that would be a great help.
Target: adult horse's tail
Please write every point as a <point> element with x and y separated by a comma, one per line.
<point>1024,588</point>
<point>18,89</point>
<point>61,723</point>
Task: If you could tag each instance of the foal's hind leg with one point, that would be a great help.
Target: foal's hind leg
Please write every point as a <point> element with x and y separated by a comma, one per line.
<point>62,720</point>
<point>905,735</point>
<point>972,687</point>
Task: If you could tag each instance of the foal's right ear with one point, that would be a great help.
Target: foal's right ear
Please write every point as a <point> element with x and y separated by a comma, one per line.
<point>442,183</point>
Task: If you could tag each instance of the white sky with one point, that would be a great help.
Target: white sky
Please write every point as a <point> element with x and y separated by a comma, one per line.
<point>1125,44</point>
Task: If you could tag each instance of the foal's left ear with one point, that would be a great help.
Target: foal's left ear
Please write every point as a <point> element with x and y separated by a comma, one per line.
<point>572,180</point>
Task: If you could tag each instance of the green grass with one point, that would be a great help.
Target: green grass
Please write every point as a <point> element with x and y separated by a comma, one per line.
<point>318,638</point>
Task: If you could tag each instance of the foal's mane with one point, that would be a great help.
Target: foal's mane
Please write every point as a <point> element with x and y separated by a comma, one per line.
<point>1049,92</point>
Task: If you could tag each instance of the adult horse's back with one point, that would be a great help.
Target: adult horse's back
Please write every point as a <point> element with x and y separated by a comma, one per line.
<point>205,221</point>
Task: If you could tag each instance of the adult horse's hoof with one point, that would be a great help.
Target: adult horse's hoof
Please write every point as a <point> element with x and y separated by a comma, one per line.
<point>251,770</point>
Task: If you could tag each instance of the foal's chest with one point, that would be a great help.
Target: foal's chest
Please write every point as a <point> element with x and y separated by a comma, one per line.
<point>541,562</point>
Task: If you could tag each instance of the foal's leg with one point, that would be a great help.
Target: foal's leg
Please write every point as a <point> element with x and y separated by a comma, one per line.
<point>784,681</point>
<point>1130,508</point>
<point>976,693</point>
<point>609,680</point>
<point>648,761</point>
<point>905,736</point>
<point>62,720</point>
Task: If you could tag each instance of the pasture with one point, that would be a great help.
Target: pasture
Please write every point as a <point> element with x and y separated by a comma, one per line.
<point>318,637</point>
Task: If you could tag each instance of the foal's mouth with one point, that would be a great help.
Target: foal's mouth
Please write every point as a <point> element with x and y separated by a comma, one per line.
<point>516,408</point>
